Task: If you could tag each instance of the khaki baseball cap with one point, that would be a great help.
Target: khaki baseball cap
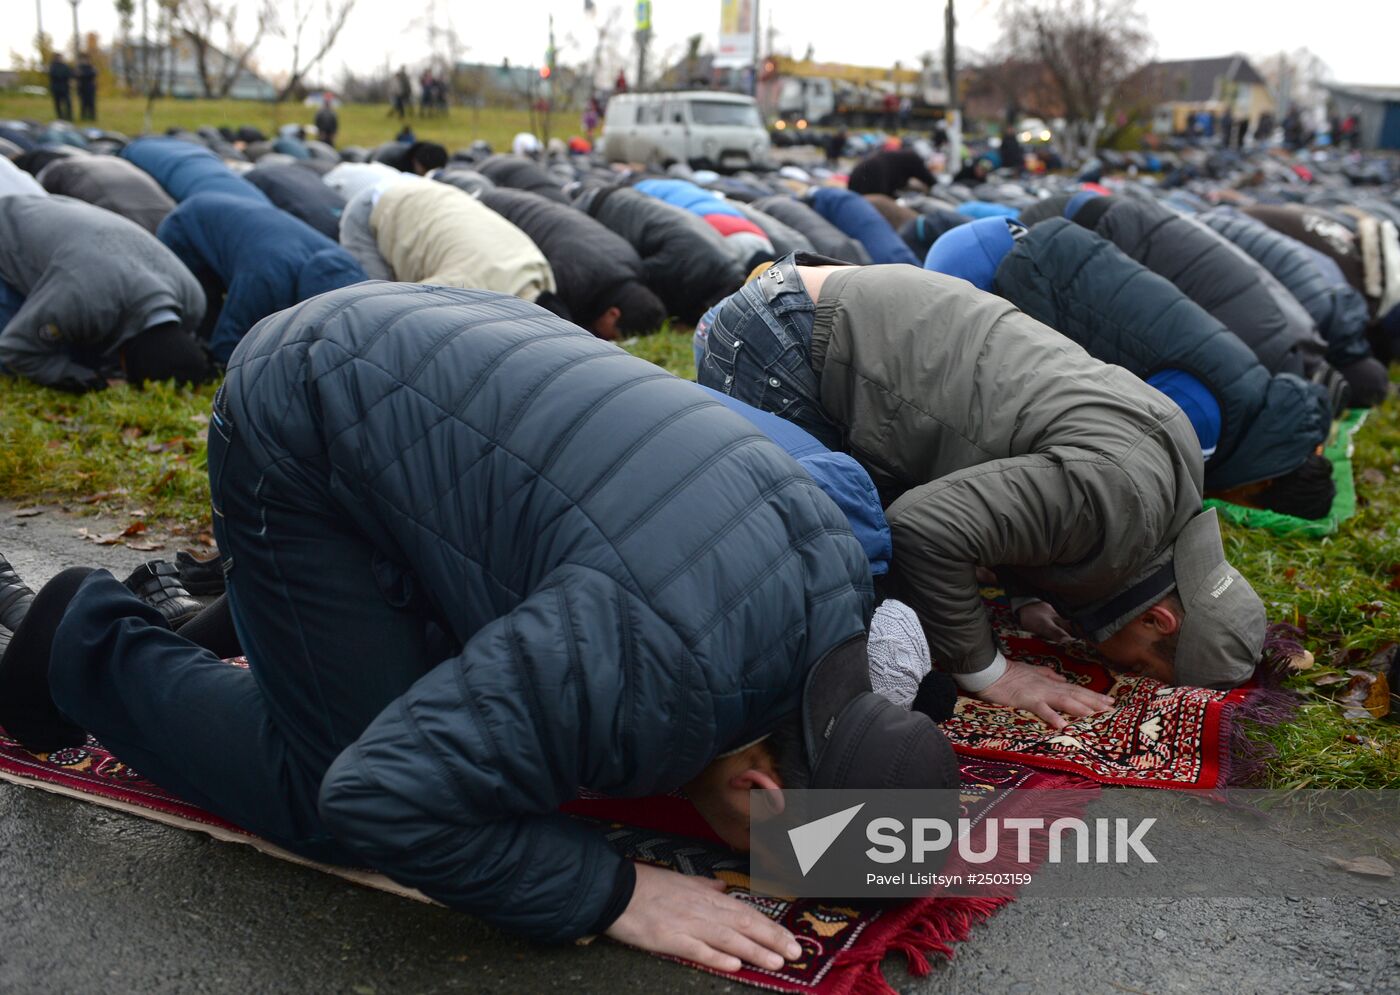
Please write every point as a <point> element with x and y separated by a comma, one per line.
<point>1223,631</point>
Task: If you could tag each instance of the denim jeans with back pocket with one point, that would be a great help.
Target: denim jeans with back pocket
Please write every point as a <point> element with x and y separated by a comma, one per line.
<point>758,350</point>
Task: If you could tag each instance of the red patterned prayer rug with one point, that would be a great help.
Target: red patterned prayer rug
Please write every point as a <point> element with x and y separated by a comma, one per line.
<point>1155,737</point>
<point>843,945</point>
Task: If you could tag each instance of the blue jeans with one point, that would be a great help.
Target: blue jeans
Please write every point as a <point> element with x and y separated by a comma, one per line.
<point>327,652</point>
<point>758,350</point>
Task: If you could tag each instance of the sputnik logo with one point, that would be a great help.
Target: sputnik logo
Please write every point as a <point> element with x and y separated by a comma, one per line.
<point>812,839</point>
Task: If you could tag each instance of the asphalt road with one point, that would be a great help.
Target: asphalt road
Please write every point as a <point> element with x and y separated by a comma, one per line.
<point>101,902</point>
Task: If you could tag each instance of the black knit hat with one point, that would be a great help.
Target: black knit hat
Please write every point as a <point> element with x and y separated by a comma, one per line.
<point>166,352</point>
<point>856,738</point>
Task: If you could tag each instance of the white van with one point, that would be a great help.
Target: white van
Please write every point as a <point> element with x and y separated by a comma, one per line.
<point>704,128</point>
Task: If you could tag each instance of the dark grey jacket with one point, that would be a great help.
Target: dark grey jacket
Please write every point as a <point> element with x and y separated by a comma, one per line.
<point>91,280</point>
<point>112,183</point>
<point>825,237</point>
<point>1216,275</point>
<point>1339,311</point>
<point>637,579</point>
<point>687,263</point>
<point>1002,444</point>
<point>1122,313</point>
<point>590,261</point>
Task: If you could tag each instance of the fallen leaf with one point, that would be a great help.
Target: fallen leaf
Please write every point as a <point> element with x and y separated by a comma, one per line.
<point>145,547</point>
<point>27,512</point>
<point>1290,573</point>
<point>200,419</point>
<point>1373,476</point>
<point>1372,608</point>
<point>1323,680</point>
<point>1371,867</point>
<point>1345,657</point>
<point>164,479</point>
<point>207,538</point>
<point>1369,692</point>
<point>133,432</point>
<point>111,539</point>
<point>1356,713</point>
<point>135,528</point>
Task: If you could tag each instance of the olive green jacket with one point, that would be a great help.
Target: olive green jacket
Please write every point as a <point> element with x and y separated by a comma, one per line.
<point>1000,443</point>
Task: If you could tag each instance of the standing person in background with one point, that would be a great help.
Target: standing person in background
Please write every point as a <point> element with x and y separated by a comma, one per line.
<point>60,86</point>
<point>591,116</point>
<point>620,84</point>
<point>1013,157</point>
<point>327,121</point>
<point>403,93</point>
<point>87,89</point>
<point>425,93</point>
<point>836,146</point>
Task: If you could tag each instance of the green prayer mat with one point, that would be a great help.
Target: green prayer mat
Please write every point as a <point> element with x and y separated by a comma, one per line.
<point>1338,453</point>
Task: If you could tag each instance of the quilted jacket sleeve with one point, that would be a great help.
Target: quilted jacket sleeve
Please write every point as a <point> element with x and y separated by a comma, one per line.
<point>454,788</point>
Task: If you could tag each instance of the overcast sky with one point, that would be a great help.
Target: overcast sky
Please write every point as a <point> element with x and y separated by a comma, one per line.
<point>1352,36</point>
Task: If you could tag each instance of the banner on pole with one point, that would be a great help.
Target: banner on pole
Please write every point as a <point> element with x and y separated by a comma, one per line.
<point>643,15</point>
<point>737,25</point>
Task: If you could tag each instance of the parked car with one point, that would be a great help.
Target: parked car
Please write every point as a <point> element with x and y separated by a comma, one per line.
<point>703,128</point>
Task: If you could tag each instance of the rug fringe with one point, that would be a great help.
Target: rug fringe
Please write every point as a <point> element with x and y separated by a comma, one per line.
<point>1244,759</point>
<point>934,925</point>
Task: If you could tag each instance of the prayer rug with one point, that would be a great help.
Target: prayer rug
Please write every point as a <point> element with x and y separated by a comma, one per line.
<point>1338,452</point>
<point>1156,736</point>
<point>843,944</point>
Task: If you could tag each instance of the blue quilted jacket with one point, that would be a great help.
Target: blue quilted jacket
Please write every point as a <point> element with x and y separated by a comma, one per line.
<point>185,169</point>
<point>636,579</point>
<point>855,216</point>
<point>263,258</point>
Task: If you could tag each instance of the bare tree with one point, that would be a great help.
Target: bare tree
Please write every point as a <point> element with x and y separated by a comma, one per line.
<point>1295,79</point>
<point>126,16</point>
<point>212,30</point>
<point>1087,49</point>
<point>334,15</point>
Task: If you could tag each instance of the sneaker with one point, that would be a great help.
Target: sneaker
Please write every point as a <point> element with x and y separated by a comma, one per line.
<point>157,582</point>
<point>15,596</point>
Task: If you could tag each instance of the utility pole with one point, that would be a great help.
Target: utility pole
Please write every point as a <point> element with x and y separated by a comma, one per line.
<point>643,40</point>
<point>950,72</point>
<point>548,74</point>
<point>753,83</point>
<point>77,39</point>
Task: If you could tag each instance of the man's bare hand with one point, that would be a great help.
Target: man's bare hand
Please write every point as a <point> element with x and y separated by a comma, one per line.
<point>1044,692</point>
<point>1039,619</point>
<point>693,918</point>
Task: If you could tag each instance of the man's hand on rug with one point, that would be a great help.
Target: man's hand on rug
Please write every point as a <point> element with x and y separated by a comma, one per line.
<point>1045,693</point>
<point>1039,619</point>
<point>693,918</point>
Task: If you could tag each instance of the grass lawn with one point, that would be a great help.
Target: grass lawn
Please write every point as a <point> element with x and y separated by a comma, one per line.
<point>360,124</point>
<point>140,454</point>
